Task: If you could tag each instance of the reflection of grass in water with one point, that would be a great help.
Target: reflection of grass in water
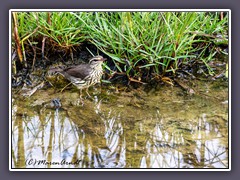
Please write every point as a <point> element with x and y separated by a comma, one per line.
<point>162,130</point>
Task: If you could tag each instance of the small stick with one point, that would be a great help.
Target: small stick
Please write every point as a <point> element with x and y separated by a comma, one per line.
<point>43,46</point>
<point>17,38</point>
<point>221,14</point>
<point>134,80</point>
<point>71,53</point>
<point>66,86</point>
<point>34,56</point>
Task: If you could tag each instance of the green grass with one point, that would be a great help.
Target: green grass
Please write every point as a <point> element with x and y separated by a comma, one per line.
<point>137,42</point>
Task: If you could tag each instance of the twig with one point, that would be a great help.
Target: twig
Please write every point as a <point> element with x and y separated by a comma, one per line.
<point>221,16</point>
<point>71,54</point>
<point>66,86</point>
<point>43,46</point>
<point>16,36</point>
<point>134,80</point>
<point>22,41</point>
<point>34,56</point>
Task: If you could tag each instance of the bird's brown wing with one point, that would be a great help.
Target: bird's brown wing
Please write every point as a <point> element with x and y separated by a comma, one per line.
<point>80,71</point>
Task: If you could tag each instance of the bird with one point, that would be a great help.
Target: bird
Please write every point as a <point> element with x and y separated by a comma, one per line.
<point>85,75</point>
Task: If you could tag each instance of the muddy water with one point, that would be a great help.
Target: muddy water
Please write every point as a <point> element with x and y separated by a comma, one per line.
<point>158,128</point>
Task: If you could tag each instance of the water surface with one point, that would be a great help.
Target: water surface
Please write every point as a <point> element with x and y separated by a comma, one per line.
<point>158,128</point>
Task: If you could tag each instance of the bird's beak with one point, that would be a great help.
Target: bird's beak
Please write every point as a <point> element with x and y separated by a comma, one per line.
<point>103,59</point>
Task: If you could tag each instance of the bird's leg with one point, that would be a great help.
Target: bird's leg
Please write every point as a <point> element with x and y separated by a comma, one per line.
<point>88,93</point>
<point>80,96</point>
<point>101,86</point>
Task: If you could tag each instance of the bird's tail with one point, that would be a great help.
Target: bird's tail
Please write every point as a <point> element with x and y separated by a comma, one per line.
<point>55,70</point>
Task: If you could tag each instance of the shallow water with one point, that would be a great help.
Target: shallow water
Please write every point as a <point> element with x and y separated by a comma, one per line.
<point>158,128</point>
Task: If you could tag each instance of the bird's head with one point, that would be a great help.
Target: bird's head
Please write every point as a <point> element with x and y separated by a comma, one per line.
<point>96,61</point>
